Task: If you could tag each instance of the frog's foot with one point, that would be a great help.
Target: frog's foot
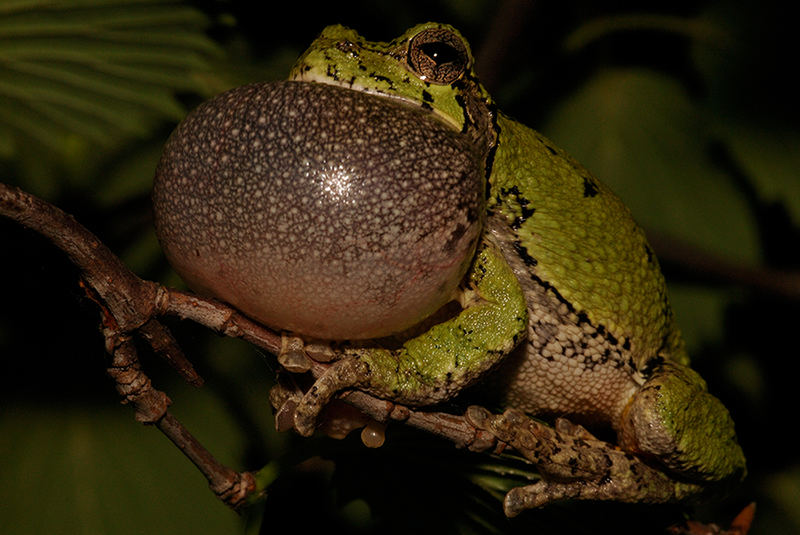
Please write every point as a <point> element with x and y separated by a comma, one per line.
<point>299,407</point>
<point>296,354</point>
<point>347,373</point>
<point>336,420</point>
<point>575,465</point>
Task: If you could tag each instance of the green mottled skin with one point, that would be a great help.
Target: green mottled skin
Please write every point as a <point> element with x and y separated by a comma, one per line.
<point>465,346</point>
<point>565,298</point>
<point>584,241</point>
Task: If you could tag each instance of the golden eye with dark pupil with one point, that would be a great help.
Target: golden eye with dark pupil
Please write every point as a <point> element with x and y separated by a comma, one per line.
<point>438,56</point>
<point>440,53</point>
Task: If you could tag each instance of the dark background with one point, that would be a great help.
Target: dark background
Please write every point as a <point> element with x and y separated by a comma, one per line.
<point>687,109</point>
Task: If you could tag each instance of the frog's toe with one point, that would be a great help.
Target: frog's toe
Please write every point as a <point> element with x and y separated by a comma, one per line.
<point>284,397</point>
<point>478,417</point>
<point>304,419</point>
<point>544,492</point>
<point>292,356</point>
<point>339,419</point>
<point>521,499</point>
<point>515,428</point>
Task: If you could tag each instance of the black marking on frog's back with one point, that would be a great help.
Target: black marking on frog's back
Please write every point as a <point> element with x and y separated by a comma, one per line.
<point>382,78</point>
<point>590,187</point>
<point>649,252</point>
<point>524,205</point>
<point>331,73</point>
<point>522,252</point>
<point>462,103</point>
<point>492,149</point>
<point>651,365</point>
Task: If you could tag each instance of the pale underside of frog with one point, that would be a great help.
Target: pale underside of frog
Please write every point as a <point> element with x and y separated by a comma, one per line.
<point>562,302</point>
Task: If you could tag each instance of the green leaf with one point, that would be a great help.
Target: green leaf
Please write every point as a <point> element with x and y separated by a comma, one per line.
<point>87,83</point>
<point>102,70</point>
<point>700,311</point>
<point>753,97</point>
<point>639,132</point>
<point>771,159</point>
<point>94,470</point>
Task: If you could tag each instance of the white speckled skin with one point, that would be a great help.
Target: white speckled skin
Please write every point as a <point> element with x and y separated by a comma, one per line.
<point>319,210</point>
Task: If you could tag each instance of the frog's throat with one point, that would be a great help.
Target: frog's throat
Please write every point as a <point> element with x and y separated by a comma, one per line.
<point>478,123</point>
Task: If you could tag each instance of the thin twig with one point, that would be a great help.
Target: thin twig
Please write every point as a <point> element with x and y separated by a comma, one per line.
<point>700,263</point>
<point>127,306</point>
<point>233,488</point>
<point>493,53</point>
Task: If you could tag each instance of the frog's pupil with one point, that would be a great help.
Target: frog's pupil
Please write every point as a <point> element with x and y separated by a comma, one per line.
<point>440,53</point>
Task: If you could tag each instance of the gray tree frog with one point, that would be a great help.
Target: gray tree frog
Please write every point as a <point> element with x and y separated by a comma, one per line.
<point>563,307</point>
<point>600,344</point>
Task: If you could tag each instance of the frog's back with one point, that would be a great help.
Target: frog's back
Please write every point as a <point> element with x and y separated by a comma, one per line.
<point>578,240</point>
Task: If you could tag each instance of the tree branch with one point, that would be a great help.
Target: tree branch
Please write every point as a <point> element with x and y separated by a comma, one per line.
<point>130,307</point>
<point>127,306</point>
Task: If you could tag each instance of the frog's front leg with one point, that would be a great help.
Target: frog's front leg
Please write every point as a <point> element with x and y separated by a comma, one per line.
<point>436,365</point>
<point>576,465</point>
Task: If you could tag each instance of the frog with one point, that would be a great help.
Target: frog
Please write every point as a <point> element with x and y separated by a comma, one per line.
<point>564,311</point>
<point>559,310</point>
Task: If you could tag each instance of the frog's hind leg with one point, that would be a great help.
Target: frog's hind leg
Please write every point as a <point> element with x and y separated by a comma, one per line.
<point>576,465</point>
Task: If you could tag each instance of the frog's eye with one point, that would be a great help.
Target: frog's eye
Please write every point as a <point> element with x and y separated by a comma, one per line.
<point>438,56</point>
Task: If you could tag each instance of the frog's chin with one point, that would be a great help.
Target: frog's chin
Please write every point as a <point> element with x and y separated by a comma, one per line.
<point>317,78</point>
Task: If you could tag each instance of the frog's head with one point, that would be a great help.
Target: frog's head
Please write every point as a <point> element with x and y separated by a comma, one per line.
<point>676,421</point>
<point>428,66</point>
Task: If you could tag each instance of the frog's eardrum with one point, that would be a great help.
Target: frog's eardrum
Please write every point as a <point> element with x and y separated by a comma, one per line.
<point>319,210</point>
